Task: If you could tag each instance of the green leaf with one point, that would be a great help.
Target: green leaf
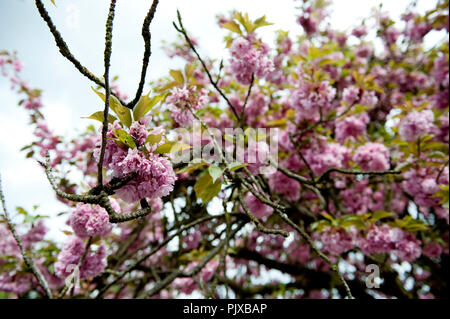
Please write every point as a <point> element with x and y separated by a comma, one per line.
<point>351,220</point>
<point>244,20</point>
<point>99,117</point>
<point>177,75</point>
<point>236,165</point>
<point>215,172</point>
<point>189,70</point>
<point>359,109</point>
<point>410,224</point>
<point>145,104</point>
<point>320,225</point>
<point>206,189</point>
<point>435,145</point>
<point>277,123</point>
<point>260,22</point>
<point>380,214</point>
<point>121,111</point>
<point>21,210</point>
<point>192,166</point>
<point>232,26</point>
<point>443,193</point>
<point>53,1</point>
<point>154,138</point>
<point>328,216</point>
<point>139,109</point>
<point>171,147</point>
<point>125,138</point>
<point>403,166</point>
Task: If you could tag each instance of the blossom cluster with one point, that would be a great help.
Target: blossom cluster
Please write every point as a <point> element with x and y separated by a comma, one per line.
<point>155,176</point>
<point>249,59</point>
<point>179,101</point>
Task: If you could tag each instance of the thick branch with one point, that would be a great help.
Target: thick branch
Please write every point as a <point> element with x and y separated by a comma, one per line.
<point>108,46</point>
<point>64,49</point>
<point>146,35</point>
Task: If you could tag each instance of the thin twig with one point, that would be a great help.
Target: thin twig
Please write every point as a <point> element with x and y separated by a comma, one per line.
<point>183,31</point>
<point>242,119</point>
<point>441,170</point>
<point>258,224</point>
<point>169,279</point>
<point>280,211</point>
<point>80,262</point>
<point>308,239</point>
<point>27,259</point>
<point>349,172</point>
<point>156,249</point>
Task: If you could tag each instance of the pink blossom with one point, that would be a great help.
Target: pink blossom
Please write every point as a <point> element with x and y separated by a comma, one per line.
<point>71,254</point>
<point>156,204</point>
<point>32,103</point>
<point>17,65</point>
<point>335,240</point>
<point>247,60</point>
<point>416,124</point>
<point>408,249</point>
<point>308,23</point>
<point>392,35</point>
<point>192,240</point>
<point>256,155</point>
<point>429,186</point>
<point>299,253</point>
<point>185,285</point>
<point>181,99</point>
<point>8,245</point>
<point>256,207</point>
<point>256,106</point>
<point>138,132</point>
<point>421,183</point>
<point>209,270</point>
<point>351,126</point>
<point>155,176</point>
<point>363,51</point>
<point>351,94</point>
<point>310,100</point>
<point>17,283</point>
<point>90,220</point>
<point>359,198</point>
<point>380,239</point>
<point>368,98</point>
<point>286,186</point>
<point>432,250</point>
<point>35,234</point>
<point>359,31</point>
<point>372,157</point>
<point>324,157</point>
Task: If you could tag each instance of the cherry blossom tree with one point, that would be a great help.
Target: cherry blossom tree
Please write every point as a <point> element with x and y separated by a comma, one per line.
<point>284,171</point>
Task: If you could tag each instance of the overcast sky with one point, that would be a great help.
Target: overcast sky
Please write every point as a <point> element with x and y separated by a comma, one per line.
<point>66,93</point>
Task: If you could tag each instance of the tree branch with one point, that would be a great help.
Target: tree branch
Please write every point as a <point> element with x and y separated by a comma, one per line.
<point>183,31</point>
<point>27,259</point>
<point>108,46</point>
<point>64,49</point>
<point>146,35</point>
